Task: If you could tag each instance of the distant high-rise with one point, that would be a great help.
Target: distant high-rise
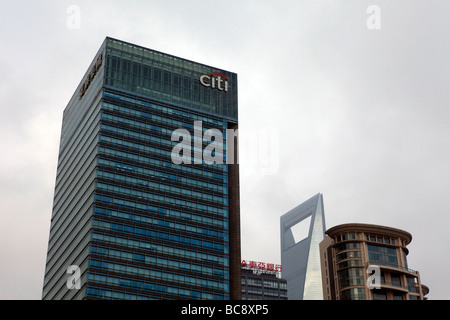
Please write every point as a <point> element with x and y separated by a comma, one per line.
<point>300,256</point>
<point>129,220</point>
<point>262,281</point>
<point>368,262</point>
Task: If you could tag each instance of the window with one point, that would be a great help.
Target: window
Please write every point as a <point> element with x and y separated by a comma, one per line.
<point>348,254</point>
<point>395,279</point>
<point>346,246</point>
<point>398,296</point>
<point>382,255</point>
<point>353,294</point>
<point>405,261</point>
<point>351,277</point>
<point>379,295</point>
<point>349,263</point>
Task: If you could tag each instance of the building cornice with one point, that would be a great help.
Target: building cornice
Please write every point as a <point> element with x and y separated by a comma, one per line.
<point>370,228</point>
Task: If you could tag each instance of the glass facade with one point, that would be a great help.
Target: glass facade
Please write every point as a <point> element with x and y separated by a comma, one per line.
<point>301,259</point>
<point>137,225</point>
<point>382,255</point>
<point>313,280</point>
<point>168,78</point>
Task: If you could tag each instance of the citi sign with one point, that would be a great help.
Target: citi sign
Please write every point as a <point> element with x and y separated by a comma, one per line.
<point>215,80</point>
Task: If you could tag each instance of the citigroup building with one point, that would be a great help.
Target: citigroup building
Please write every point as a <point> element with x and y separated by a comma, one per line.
<point>129,222</point>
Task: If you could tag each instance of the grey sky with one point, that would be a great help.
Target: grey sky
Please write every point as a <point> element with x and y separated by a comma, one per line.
<point>359,115</point>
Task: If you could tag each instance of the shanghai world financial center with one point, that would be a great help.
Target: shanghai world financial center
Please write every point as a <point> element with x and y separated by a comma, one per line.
<point>128,222</point>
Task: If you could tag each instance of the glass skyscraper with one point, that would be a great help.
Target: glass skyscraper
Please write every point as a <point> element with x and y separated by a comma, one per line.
<point>300,257</point>
<point>128,222</point>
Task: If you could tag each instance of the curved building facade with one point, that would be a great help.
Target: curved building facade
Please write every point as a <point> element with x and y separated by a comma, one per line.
<point>368,262</point>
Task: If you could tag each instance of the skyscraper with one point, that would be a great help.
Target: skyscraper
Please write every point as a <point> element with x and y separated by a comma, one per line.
<point>129,220</point>
<point>300,256</point>
<point>368,262</point>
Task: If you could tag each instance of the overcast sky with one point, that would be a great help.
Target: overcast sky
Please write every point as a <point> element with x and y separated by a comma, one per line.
<point>352,101</point>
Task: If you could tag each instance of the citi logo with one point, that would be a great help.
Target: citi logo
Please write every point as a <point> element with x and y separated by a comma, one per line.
<point>215,80</point>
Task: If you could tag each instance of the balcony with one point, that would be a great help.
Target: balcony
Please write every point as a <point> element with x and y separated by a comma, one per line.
<point>394,286</point>
<point>393,267</point>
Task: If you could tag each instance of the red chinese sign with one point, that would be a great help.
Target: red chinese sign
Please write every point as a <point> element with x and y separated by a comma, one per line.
<point>261,266</point>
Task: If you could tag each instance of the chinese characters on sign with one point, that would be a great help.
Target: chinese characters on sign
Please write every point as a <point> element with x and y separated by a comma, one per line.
<point>261,266</point>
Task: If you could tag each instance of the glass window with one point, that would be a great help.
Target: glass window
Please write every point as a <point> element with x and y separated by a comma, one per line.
<point>382,255</point>
<point>349,263</point>
<point>346,246</point>
<point>395,279</point>
<point>352,294</point>
<point>379,295</point>
<point>405,260</point>
<point>351,277</point>
<point>348,254</point>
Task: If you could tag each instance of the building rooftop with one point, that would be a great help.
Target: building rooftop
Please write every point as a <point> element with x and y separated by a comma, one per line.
<point>370,228</point>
